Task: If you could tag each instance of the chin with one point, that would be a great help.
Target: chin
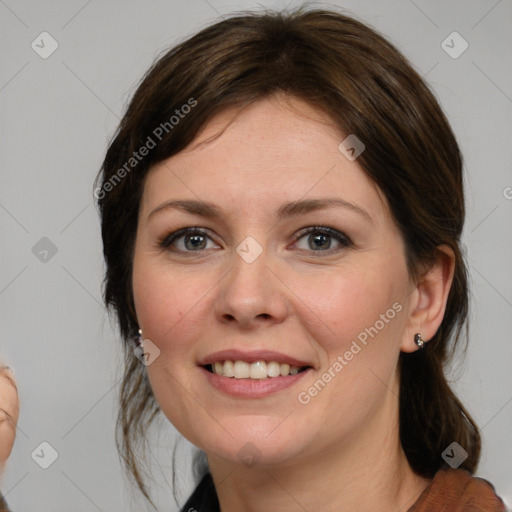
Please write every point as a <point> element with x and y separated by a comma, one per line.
<point>255,445</point>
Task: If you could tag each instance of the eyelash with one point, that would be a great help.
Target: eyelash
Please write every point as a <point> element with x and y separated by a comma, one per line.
<point>343,239</point>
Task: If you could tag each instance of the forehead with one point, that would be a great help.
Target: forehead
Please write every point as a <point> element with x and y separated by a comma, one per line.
<point>276,149</point>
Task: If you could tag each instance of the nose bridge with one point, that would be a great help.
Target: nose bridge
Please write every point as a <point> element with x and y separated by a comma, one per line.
<point>250,291</point>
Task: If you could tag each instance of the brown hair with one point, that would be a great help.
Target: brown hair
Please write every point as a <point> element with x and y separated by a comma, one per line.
<point>344,68</point>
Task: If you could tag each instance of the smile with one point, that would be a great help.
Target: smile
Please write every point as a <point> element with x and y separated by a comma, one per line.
<point>253,373</point>
<point>257,370</point>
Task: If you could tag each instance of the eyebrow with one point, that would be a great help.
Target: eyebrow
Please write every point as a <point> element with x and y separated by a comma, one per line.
<point>286,210</point>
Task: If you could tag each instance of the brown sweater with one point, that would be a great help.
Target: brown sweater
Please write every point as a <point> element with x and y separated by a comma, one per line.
<point>455,490</point>
<point>3,505</point>
<point>451,490</point>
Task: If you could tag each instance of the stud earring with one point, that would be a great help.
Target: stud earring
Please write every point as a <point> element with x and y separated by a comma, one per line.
<point>138,338</point>
<point>418,340</point>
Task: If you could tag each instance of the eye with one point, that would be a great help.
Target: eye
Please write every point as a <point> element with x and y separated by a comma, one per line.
<point>319,239</point>
<point>194,239</point>
<point>186,240</point>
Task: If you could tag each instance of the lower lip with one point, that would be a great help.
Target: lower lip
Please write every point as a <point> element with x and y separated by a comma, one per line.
<point>252,388</point>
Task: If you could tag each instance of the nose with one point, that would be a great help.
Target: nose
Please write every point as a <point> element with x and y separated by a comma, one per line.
<point>251,294</point>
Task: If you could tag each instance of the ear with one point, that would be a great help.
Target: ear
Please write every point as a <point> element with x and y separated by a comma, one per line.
<point>428,299</point>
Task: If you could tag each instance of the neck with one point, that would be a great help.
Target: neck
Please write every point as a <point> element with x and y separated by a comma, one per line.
<point>366,473</point>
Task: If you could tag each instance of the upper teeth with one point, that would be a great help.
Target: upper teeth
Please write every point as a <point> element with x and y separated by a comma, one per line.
<point>256,370</point>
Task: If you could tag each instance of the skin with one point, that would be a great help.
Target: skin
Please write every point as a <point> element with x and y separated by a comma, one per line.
<point>341,451</point>
<point>9,414</point>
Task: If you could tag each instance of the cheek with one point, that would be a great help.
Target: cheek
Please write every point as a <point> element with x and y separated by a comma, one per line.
<point>343,306</point>
<point>170,306</point>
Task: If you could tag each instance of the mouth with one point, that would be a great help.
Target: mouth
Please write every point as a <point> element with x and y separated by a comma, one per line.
<point>253,374</point>
<point>257,370</point>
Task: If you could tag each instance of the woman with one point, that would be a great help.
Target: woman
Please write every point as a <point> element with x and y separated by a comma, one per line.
<point>9,413</point>
<point>281,215</point>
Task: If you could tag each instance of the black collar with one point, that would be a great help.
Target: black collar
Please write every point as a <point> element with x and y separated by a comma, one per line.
<point>204,498</point>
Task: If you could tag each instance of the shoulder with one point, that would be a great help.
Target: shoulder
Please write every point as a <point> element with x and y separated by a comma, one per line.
<point>460,491</point>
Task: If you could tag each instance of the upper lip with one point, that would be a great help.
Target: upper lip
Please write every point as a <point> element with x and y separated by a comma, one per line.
<point>252,356</point>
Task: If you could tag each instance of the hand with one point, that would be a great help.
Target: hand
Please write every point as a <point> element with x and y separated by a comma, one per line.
<point>9,413</point>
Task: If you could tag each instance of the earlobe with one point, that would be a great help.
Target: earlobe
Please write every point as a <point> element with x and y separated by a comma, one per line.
<point>429,303</point>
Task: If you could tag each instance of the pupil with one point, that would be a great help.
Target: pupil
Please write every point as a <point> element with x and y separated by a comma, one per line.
<point>321,238</point>
<point>196,240</point>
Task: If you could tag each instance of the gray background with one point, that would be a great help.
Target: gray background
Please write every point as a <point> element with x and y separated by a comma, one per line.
<point>57,115</point>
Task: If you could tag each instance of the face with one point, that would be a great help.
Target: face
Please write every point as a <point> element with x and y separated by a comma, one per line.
<point>321,286</point>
